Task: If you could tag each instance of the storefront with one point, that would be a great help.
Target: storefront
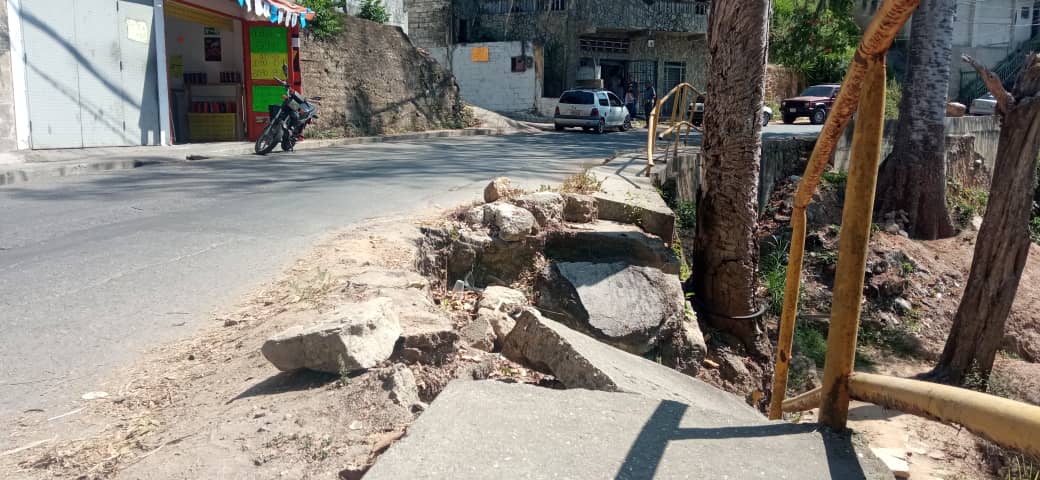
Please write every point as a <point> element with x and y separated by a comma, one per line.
<point>222,61</point>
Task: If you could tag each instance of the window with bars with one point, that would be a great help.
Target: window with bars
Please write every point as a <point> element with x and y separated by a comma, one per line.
<point>522,6</point>
<point>604,45</point>
<point>700,8</point>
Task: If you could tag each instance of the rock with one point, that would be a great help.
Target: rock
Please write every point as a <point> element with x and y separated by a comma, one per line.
<point>622,200</point>
<point>682,345</point>
<point>474,257</point>
<point>579,361</point>
<point>355,337</point>
<point>512,223</point>
<point>893,228</point>
<point>547,207</point>
<point>501,323</point>
<point>976,223</point>
<point>955,109</point>
<point>579,208</point>
<point>479,335</point>
<point>623,305</point>
<point>500,187</point>
<point>429,347</point>
<point>605,241</point>
<point>826,206</point>
<point>805,367</point>
<point>399,381</point>
<point>887,285</point>
<point>384,278</point>
<point>476,215</point>
<point>903,306</point>
<point>495,430</point>
<point>894,459</point>
<point>502,299</point>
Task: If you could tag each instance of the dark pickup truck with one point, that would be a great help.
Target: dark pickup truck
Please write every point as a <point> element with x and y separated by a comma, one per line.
<point>815,103</point>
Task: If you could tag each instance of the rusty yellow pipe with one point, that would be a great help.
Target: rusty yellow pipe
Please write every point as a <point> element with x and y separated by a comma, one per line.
<point>1008,423</point>
<point>878,37</point>
<point>806,401</point>
<point>654,119</point>
<point>852,248</point>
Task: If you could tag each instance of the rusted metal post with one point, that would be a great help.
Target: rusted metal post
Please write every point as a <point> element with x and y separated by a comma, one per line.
<point>884,26</point>
<point>852,249</point>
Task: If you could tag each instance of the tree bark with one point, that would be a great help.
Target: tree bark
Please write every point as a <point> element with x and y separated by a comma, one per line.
<point>725,252</point>
<point>913,177</point>
<point>1002,245</point>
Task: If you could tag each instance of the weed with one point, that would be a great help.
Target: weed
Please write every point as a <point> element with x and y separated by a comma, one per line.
<point>684,268</point>
<point>686,215</point>
<point>836,179</point>
<point>583,182</point>
<point>810,343</point>
<point>898,339</point>
<point>546,188</point>
<point>908,268</point>
<point>1034,228</point>
<point>874,228</point>
<point>344,372</point>
<point>965,203</point>
<point>313,290</point>
<point>773,270</point>
<point>828,257</point>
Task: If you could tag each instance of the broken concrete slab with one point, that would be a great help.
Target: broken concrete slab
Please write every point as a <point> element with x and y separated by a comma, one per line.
<point>502,299</point>
<point>354,337</point>
<point>511,222</point>
<point>501,323</point>
<point>628,197</point>
<point>479,334</point>
<point>623,305</point>
<point>487,429</point>
<point>605,241</point>
<point>580,361</point>
<point>385,278</point>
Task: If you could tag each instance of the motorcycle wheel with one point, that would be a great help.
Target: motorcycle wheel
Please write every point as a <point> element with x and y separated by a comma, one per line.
<point>268,139</point>
<point>289,141</point>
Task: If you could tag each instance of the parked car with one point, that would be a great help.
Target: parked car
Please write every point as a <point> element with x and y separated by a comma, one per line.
<point>591,109</point>
<point>815,102</point>
<point>984,105</point>
<point>698,113</point>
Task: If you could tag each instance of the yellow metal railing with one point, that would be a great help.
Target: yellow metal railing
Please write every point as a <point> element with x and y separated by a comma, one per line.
<point>680,122</point>
<point>1005,422</point>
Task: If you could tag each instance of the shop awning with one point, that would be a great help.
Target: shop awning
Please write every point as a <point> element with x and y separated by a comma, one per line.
<point>282,12</point>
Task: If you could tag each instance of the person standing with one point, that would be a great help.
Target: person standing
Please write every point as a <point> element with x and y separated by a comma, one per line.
<point>630,102</point>
<point>649,101</point>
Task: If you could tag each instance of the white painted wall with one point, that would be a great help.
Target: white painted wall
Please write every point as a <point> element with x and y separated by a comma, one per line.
<point>186,39</point>
<point>492,84</point>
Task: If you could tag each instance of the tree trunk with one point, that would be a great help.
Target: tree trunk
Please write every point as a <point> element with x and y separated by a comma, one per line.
<point>1002,244</point>
<point>725,251</point>
<point>913,177</point>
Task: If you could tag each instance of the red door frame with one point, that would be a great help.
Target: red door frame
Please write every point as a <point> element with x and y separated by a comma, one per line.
<point>255,120</point>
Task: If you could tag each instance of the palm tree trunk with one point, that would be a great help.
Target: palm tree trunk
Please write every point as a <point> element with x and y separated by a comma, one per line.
<point>913,177</point>
<point>725,252</point>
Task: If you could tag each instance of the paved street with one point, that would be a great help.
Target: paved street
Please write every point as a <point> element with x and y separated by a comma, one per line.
<point>95,269</point>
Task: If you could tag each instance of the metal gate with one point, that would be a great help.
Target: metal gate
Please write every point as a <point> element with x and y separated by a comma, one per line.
<point>674,74</point>
<point>644,73</point>
<point>90,73</point>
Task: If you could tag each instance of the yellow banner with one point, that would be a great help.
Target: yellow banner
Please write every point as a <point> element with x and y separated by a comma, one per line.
<point>267,66</point>
<point>478,54</point>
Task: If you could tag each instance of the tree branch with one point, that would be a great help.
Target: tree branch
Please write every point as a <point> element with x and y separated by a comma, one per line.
<point>993,84</point>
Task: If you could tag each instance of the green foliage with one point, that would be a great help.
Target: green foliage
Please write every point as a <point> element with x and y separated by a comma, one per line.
<point>908,268</point>
<point>810,343</point>
<point>828,257</point>
<point>326,22</point>
<point>893,97</point>
<point>374,10</point>
<point>684,268</point>
<point>966,203</point>
<point>773,270</point>
<point>836,179</point>
<point>820,45</point>
<point>1034,228</point>
<point>686,215</point>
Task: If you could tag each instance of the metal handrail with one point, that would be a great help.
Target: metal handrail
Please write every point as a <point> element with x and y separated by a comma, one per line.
<point>1005,422</point>
<point>681,117</point>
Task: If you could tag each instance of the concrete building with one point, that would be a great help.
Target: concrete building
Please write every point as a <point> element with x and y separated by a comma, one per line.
<point>105,73</point>
<point>997,33</point>
<point>492,46</point>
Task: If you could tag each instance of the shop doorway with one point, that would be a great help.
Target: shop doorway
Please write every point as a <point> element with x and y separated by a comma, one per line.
<point>206,65</point>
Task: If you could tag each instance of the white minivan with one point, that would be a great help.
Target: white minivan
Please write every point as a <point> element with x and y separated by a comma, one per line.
<point>590,109</point>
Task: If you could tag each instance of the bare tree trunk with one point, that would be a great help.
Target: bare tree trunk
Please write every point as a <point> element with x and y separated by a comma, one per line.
<point>1002,245</point>
<point>725,252</point>
<point>913,176</point>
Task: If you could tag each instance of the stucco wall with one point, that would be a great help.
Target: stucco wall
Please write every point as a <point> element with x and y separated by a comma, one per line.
<point>986,131</point>
<point>395,8</point>
<point>8,139</point>
<point>492,84</point>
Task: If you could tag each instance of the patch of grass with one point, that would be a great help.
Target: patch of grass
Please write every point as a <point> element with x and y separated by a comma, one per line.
<point>583,182</point>
<point>898,339</point>
<point>773,270</point>
<point>810,343</point>
<point>893,96</point>
<point>828,257</point>
<point>686,215</point>
<point>965,203</point>
<point>836,179</point>
<point>908,268</point>
<point>684,269</point>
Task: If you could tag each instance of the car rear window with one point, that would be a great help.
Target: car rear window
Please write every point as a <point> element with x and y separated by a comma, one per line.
<point>578,98</point>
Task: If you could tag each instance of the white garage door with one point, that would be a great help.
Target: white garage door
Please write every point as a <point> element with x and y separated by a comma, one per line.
<point>91,73</point>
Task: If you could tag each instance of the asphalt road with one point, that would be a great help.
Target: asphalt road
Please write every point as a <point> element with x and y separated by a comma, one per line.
<point>97,268</point>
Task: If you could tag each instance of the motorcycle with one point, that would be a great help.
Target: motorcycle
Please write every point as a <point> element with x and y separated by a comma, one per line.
<point>287,120</point>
